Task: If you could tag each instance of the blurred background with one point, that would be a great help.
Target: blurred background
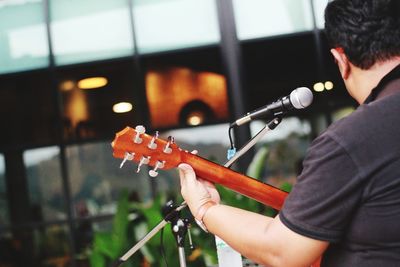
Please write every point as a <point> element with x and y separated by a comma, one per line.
<point>73,73</point>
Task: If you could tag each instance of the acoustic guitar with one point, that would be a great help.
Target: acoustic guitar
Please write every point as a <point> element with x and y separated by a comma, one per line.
<point>137,146</point>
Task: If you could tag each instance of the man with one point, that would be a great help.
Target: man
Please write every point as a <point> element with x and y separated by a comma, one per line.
<point>345,205</point>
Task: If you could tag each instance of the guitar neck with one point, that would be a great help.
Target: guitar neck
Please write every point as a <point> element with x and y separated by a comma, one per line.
<point>252,188</point>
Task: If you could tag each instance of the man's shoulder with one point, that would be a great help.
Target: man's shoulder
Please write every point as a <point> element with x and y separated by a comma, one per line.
<point>366,121</point>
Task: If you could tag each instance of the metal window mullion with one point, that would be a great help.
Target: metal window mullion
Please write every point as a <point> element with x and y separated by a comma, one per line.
<point>232,62</point>
<point>59,128</point>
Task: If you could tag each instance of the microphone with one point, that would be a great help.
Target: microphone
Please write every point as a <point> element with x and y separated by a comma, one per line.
<point>298,99</point>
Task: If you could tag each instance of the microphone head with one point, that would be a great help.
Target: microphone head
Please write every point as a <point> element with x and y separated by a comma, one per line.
<point>301,97</point>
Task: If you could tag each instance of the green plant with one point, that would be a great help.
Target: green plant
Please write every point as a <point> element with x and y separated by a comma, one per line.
<point>109,246</point>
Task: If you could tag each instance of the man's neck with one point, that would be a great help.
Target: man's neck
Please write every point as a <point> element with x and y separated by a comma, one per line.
<point>366,80</point>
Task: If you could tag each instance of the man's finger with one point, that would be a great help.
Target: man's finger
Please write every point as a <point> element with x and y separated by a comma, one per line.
<point>186,171</point>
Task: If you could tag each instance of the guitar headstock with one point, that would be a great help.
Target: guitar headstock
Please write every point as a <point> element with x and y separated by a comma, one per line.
<point>135,145</point>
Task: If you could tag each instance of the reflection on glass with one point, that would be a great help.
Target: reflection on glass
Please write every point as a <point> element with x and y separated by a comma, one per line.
<point>261,18</point>
<point>341,113</point>
<point>90,30</point>
<point>3,194</point>
<point>23,36</point>
<point>172,24</point>
<point>287,127</point>
<point>54,246</point>
<point>175,95</point>
<point>45,183</point>
<point>211,142</point>
<point>35,247</point>
<point>285,146</point>
<point>97,181</point>
<point>319,7</point>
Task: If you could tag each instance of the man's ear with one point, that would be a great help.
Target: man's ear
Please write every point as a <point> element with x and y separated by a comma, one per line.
<point>342,62</point>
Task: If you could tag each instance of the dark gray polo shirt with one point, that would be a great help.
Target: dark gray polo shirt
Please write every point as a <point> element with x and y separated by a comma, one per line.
<point>349,190</point>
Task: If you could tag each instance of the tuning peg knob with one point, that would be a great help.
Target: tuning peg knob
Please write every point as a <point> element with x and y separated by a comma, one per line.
<point>167,148</point>
<point>159,165</point>
<point>139,131</point>
<point>143,160</point>
<point>152,144</point>
<point>128,156</point>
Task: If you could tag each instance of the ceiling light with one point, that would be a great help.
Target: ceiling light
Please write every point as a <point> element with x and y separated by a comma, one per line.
<point>319,87</point>
<point>122,107</point>
<point>92,83</point>
<point>328,85</point>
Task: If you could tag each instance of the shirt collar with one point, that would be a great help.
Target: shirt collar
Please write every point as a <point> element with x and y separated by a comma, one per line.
<point>392,75</point>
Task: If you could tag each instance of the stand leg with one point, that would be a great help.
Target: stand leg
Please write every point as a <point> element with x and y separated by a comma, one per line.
<point>182,259</point>
<point>139,244</point>
<point>171,214</point>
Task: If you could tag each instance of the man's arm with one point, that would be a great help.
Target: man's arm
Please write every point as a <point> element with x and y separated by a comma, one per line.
<point>263,239</point>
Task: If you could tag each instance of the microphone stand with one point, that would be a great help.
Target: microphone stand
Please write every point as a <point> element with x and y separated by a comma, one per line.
<point>179,228</point>
<point>268,127</point>
<point>172,213</point>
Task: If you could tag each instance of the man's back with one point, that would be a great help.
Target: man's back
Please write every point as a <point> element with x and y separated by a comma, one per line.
<point>372,139</point>
<point>349,191</point>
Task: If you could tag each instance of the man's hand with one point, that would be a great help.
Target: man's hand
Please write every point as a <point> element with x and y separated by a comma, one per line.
<point>196,191</point>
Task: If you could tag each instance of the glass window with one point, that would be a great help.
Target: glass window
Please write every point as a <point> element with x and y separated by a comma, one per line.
<point>3,194</point>
<point>44,246</point>
<point>287,127</point>
<point>90,30</point>
<point>53,245</point>
<point>23,36</point>
<point>99,99</point>
<point>45,183</point>
<point>319,8</point>
<point>342,113</point>
<point>186,88</point>
<point>286,147</point>
<point>97,181</point>
<point>27,109</point>
<point>211,142</point>
<point>261,18</point>
<point>172,24</point>
<point>186,97</point>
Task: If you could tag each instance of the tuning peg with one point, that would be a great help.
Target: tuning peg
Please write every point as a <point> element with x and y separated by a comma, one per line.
<point>128,156</point>
<point>143,160</point>
<point>139,131</point>
<point>152,144</point>
<point>167,148</point>
<point>159,165</point>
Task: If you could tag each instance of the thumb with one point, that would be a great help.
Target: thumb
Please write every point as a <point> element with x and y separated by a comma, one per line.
<point>186,172</point>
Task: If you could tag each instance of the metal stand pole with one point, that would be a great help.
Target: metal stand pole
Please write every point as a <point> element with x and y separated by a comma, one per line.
<point>182,259</point>
<point>179,229</point>
<point>168,217</point>
<point>268,127</point>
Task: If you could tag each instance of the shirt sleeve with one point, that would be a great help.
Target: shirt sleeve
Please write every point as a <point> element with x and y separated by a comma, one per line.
<point>326,193</point>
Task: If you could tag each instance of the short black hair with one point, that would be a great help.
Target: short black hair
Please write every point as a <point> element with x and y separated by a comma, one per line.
<point>367,30</point>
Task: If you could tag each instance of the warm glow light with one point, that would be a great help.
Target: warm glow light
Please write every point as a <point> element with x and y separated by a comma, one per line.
<point>67,85</point>
<point>172,89</point>
<point>76,107</point>
<point>195,118</point>
<point>328,85</point>
<point>92,83</point>
<point>319,87</point>
<point>122,107</point>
